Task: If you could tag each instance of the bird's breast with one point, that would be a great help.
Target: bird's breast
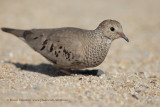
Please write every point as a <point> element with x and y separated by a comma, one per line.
<point>96,52</point>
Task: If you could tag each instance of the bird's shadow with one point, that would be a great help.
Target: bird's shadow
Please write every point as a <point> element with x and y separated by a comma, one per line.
<point>49,69</point>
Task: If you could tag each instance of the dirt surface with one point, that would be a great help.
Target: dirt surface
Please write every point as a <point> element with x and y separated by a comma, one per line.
<point>132,70</point>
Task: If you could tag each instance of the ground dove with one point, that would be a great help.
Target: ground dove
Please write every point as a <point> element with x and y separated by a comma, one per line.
<point>71,48</point>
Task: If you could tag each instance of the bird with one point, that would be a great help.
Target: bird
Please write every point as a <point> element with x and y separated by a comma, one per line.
<point>70,48</point>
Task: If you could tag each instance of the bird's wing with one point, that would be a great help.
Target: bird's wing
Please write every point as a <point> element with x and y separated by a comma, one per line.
<point>60,46</point>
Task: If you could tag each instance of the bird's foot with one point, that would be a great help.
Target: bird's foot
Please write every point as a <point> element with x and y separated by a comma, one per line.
<point>95,72</point>
<point>70,72</point>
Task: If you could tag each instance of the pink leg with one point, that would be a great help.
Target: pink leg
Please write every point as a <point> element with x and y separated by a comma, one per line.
<point>69,72</point>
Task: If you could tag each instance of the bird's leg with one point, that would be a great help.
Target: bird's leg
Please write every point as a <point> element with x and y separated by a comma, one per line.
<point>67,72</point>
<point>71,73</point>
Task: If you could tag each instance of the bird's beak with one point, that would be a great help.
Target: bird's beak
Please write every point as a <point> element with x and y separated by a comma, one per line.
<point>121,34</point>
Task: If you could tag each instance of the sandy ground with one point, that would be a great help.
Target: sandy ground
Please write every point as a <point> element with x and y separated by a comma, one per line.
<point>132,70</point>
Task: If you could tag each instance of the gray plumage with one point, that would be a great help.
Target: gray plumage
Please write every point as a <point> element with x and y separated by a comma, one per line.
<point>72,48</point>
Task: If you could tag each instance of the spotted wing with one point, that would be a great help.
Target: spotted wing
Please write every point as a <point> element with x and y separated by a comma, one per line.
<point>60,46</point>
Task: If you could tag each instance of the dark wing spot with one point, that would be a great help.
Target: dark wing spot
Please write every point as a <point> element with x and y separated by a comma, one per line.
<point>64,51</point>
<point>35,38</point>
<point>43,48</point>
<point>51,48</point>
<point>27,33</point>
<point>60,47</point>
<point>45,42</point>
<point>58,41</point>
<point>56,53</point>
<point>67,54</point>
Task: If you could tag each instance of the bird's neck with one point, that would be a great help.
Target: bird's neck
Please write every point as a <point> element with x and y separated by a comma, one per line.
<point>97,32</point>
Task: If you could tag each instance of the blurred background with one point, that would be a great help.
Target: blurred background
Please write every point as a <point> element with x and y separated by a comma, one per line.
<point>140,21</point>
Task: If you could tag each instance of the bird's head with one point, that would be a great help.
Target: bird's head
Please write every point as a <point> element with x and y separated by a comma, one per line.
<point>112,29</point>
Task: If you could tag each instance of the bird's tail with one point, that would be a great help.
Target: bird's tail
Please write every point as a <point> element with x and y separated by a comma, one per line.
<point>17,32</point>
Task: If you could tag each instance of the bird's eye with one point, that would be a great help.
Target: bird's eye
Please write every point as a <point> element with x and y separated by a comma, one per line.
<point>112,29</point>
